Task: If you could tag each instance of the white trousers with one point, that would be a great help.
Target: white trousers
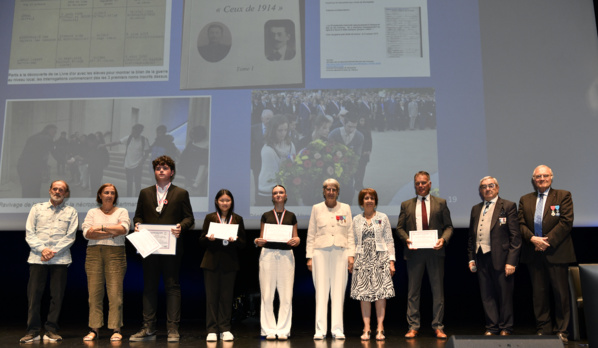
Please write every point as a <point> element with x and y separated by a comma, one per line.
<point>330,274</point>
<point>277,272</point>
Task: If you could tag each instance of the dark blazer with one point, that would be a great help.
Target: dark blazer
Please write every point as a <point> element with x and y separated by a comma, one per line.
<point>439,219</point>
<point>557,228</point>
<point>304,118</point>
<point>288,55</point>
<point>217,255</point>
<point>176,211</point>
<point>333,108</point>
<point>257,142</point>
<point>213,52</point>
<point>356,143</point>
<point>505,239</point>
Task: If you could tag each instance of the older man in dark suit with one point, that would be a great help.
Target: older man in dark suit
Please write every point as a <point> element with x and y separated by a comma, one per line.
<point>545,221</point>
<point>494,245</point>
<point>425,212</point>
<point>163,204</point>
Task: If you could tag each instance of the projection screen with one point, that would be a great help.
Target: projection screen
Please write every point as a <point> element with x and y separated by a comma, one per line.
<point>459,89</point>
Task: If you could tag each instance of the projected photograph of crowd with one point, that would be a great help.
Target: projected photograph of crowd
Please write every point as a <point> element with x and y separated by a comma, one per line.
<point>362,137</point>
<point>88,142</point>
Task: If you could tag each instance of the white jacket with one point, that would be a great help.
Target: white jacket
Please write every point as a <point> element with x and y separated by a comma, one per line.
<point>330,227</point>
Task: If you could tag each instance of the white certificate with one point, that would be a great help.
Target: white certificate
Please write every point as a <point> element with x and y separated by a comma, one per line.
<point>278,233</point>
<point>144,242</point>
<point>425,239</point>
<point>223,231</point>
<point>164,236</point>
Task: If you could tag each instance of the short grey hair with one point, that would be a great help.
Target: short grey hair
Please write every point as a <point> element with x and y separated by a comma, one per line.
<point>489,177</point>
<point>540,166</point>
<point>333,182</point>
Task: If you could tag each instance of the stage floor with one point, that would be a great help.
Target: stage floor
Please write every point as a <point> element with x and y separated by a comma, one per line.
<point>247,336</point>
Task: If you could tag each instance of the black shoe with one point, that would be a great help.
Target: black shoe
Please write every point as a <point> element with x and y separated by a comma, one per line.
<point>144,334</point>
<point>30,337</point>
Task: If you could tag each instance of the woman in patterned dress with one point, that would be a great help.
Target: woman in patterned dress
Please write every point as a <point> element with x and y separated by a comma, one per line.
<point>374,262</point>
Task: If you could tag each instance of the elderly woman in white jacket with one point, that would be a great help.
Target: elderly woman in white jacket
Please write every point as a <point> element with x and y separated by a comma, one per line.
<point>329,251</point>
<point>374,262</point>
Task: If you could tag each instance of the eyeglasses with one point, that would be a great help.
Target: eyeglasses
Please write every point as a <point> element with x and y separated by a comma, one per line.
<point>489,186</point>
<point>542,176</point>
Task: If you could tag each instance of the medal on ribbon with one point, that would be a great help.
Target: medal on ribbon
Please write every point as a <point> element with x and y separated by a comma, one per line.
<point>279,222</point>
<point>161,198</point>
<point>224,241</point>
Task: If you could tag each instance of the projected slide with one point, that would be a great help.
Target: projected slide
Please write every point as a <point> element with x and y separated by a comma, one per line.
<point>236,43</point>
<point>90,142</point>
<point>246,94</point>
<point>89,41</point>
<point>380,38</point>
<point>343,134</point>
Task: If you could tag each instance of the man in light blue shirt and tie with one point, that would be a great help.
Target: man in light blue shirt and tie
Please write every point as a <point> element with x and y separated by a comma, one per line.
<point>545,222</point>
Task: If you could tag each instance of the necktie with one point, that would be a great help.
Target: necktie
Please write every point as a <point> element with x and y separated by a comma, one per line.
<point>538,215</point>
<point>486,208</point>
<point>424,214</point>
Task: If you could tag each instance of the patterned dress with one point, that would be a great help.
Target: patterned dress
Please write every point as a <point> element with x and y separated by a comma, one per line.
<point>371,280</point>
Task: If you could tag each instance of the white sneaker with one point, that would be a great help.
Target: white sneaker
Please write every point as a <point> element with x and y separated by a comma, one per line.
<point>211,337</point>
<point>339,336</point>
<point>227,336</point>
<point>271,337</point>
<point>319,337</point>
<point>283,337</point>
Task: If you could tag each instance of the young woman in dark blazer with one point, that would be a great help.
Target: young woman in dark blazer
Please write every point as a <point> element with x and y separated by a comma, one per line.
<point>220,265</point>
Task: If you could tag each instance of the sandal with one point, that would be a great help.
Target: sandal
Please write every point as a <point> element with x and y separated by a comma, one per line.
<point>380,336</point>
<point>116,336</point>
<point>365,336</point>
<point>91,336</point>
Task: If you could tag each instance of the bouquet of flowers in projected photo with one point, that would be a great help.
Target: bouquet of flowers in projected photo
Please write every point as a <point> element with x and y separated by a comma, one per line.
<point>303,175</point>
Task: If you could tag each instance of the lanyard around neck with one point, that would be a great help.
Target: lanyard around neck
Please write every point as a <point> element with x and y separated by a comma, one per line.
<point>279,222</point>
<point>220,219</point>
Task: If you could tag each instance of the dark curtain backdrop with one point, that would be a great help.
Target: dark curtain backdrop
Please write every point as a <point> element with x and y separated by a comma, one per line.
<point>463,304</point>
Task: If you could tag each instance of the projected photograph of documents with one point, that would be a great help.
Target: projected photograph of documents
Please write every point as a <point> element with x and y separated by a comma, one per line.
<point>378,38</point>
<point>89,41</point>
<point>88,142</point>
<point>235,43</point>
<point>374,138</point>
